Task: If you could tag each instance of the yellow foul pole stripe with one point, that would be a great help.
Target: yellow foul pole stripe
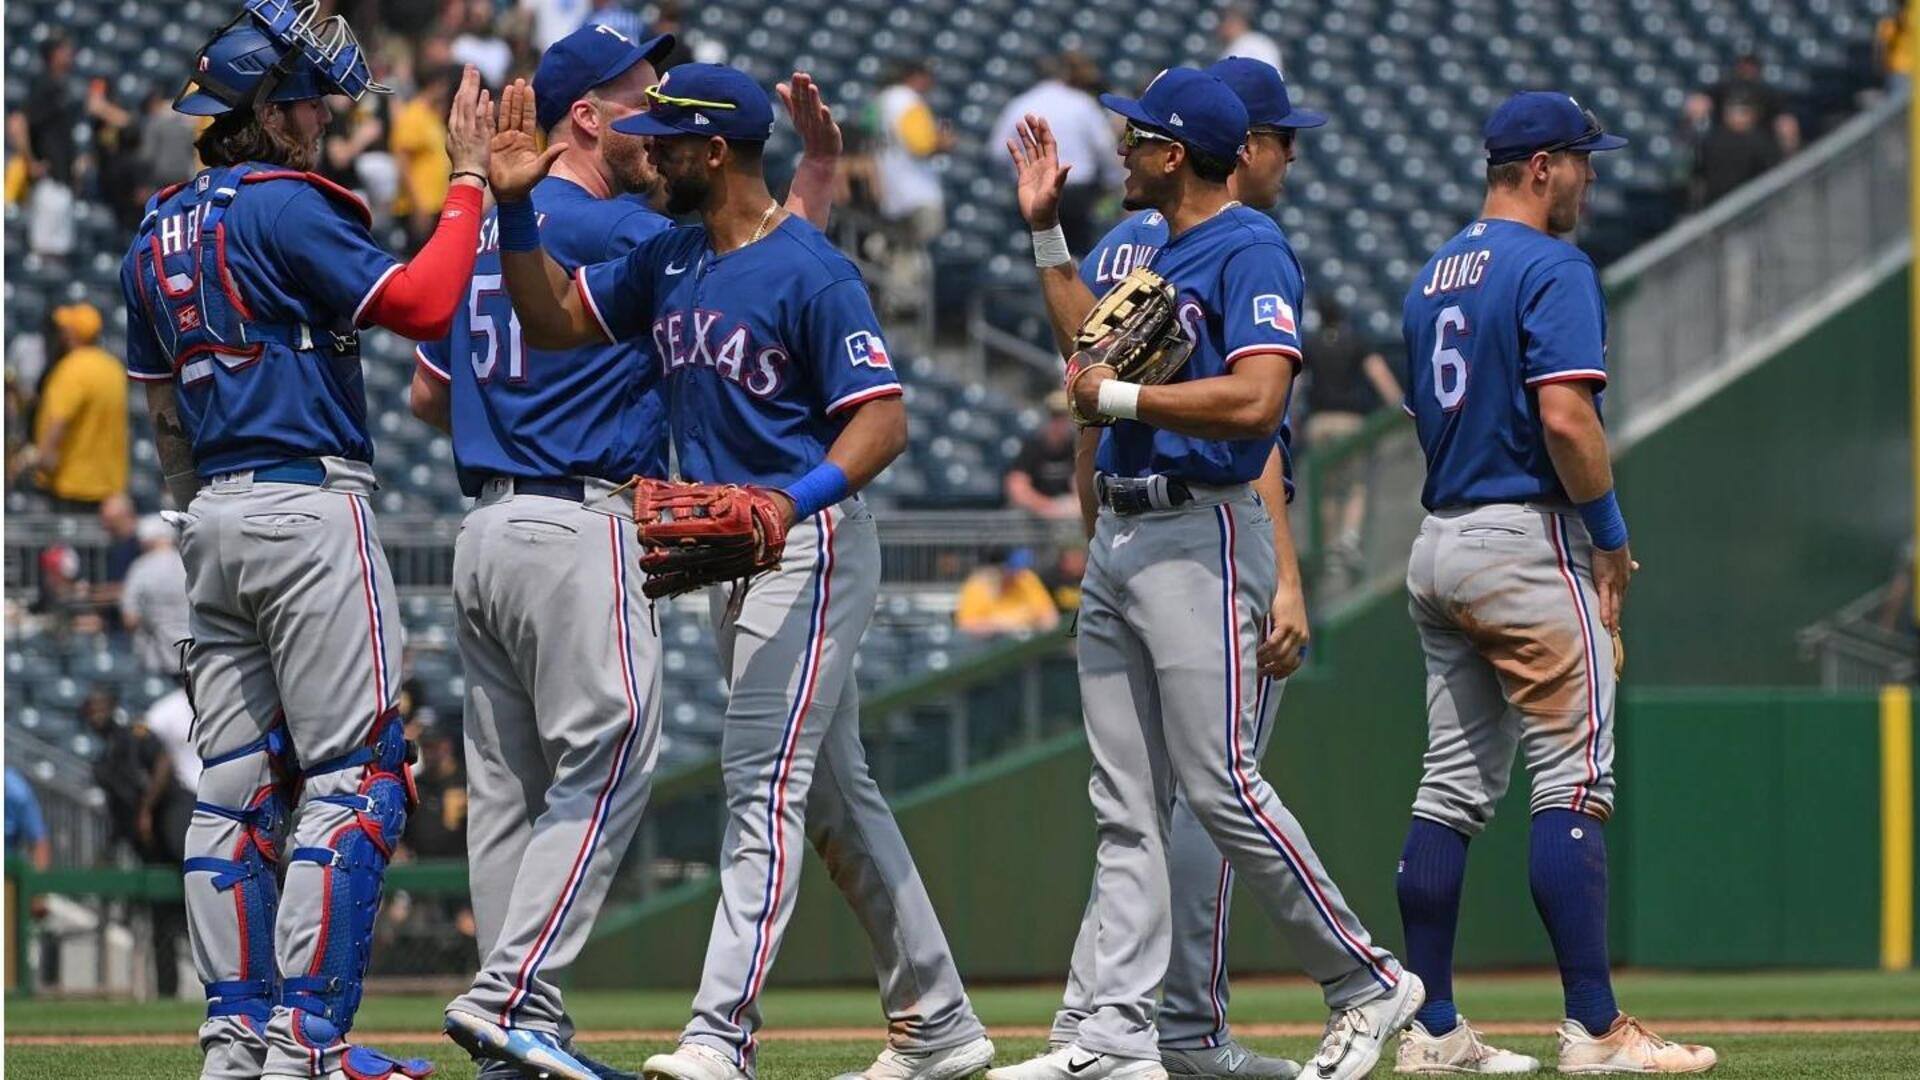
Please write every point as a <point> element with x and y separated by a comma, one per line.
<point>1913,328</point>
<point>1896,828</point>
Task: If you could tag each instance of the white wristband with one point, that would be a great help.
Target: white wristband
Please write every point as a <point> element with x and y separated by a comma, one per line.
<point>1119,399</point>
<point>1050,248</point>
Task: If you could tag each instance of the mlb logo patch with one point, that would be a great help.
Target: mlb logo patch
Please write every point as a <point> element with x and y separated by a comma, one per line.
<point>1270,310</point>
<point>865,349</point>
<point>187,318</point>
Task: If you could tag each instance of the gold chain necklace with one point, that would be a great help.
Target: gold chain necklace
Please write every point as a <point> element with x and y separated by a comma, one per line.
<point>761,229</point>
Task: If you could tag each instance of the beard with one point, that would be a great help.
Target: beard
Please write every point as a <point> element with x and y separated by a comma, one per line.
<point>685,194</point>
<point>626,158</point>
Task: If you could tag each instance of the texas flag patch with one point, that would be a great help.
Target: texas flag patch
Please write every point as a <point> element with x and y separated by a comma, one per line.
<point>865,349</point>
<point>1270,310</point>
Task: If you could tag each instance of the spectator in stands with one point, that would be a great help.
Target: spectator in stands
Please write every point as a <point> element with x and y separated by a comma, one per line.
<point>166,154</point>
<point>1005,597</point>
<point>121,522</point>
<point>147,809</point>
<point>1747,83</point>
<point>1893,49</point>
<point>555,19</point>
<point>1063,577</point>
<point>1065,95</point>
<point>615,15</point>
<point>912,206</point>
<point>419,146</point>
<point>118,175</point>
<point>1347,379</point>
<point>26,827</point>
<point>1041,479</point>
<point>153,600</point>
<point>688,45</point>
<point>79,455</point>
<point>480,45</point>
<point>63,600</point>
<point>437,828</point>
<point>1737,150</point>
<point>170,719</point>
<point>47,127</point>
<point>1238,38</point>
<point>356,154</point>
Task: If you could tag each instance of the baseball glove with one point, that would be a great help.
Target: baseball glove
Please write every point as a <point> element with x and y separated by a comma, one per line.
<point>697,535</point>
<point>1132,332</point>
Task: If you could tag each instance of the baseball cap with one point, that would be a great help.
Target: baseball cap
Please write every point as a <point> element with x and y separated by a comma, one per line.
<point>1191,107</point>
<point>82,320</point>
<point>584,59</point>
<point>1263,91</point>
<point>704,99</point>
<point>1536,120</point>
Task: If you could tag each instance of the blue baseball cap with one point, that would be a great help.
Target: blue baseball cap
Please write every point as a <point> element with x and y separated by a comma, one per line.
<point>1264,93</point>
<point>704,99</point>
<point>583,60</point>
<point>1536,120</point>
<point>1191,107</point>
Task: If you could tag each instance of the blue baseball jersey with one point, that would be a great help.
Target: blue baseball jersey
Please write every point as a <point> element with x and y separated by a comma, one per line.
<point>531,413</point>
<point>1238,288</point>
<point>258,333</point>
<point>1499,311</point>
<point>762,350</point>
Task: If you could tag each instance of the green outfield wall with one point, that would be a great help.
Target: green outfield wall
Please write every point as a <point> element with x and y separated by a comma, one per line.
<point>1748,829</point>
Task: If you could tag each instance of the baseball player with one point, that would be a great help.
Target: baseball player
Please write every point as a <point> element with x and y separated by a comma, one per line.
<point>245,289</point>
<point>776,377</point>
<point>1517,578</point>
<point>563,710</point>
<point>1194,1036</point>
<point>1180,589</point>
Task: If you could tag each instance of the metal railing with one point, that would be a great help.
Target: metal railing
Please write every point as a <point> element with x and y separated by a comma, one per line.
<point>1856,651</point>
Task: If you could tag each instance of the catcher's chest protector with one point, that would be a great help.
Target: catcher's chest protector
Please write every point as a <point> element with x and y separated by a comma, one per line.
<point>192,298</point>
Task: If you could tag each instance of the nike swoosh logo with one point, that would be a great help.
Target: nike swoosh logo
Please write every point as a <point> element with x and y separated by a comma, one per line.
<point>681,269</point>
<point>1082,1066</point>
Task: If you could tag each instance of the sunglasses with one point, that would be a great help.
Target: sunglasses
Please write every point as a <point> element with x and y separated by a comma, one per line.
<point>654,95</point>
<point>1136,135</point>
<point>1285,135</point>
<point>1594,130</point>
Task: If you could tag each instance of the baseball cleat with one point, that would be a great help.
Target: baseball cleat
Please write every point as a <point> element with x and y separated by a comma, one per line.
<point>1074,1063</point>
<point>947,1063</point>
<point>1356,1036</point>
<point>1228,1061</point>
<point>692,1061</point>
<point>1627,1047</point>
<point>530,1053</point>
<point>1461,1050</point>
<point>600,1068</point>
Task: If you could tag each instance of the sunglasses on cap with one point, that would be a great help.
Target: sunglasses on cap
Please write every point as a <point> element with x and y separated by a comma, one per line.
<point>654,94</point>
<point>1594,130</point>
<point>1135,135</point>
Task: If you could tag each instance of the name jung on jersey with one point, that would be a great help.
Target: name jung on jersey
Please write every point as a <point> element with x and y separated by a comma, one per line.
<point>1462,271</point>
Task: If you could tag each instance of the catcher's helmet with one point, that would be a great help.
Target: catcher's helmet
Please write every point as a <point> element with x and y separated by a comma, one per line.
<point>276,50</point>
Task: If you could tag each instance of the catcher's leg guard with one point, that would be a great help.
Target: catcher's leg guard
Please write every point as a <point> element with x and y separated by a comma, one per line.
<point>374,788</point>
<point>233,847</point>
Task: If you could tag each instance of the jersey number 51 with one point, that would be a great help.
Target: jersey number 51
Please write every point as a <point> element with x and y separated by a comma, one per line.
<point>483,321</point>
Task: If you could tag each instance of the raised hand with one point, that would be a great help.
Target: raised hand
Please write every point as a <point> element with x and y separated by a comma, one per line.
<point>1040,176</point>
<point>470,124</point>
<point>517,163</point>
<point>820,137</point>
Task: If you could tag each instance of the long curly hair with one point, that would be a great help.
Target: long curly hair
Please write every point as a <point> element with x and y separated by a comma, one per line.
<point>240,136</point>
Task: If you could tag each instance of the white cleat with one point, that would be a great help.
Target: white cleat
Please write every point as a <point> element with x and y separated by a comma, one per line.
<point>1074,1063</point>
<point>692,1061</point>
<point>1628,1047</point>
<point>1356,1037</point>
<point>1461,1050</point>
<point>947,1063</point>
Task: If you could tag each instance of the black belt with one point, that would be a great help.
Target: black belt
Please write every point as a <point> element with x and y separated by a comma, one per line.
<point>1129,495</point>
<point>568,488</point>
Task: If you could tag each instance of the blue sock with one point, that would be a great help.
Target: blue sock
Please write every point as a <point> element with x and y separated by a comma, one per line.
<point>1433,866</point>
<point>1567,866</point>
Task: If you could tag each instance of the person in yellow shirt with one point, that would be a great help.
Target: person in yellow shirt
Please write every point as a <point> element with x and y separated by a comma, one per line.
<point>1893,47</point>
<point>1005,598</point>
<point>419,146</point>
<point>79,453</point>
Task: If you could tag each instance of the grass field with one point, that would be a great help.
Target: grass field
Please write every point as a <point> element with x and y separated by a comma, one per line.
<point>842,1028</point>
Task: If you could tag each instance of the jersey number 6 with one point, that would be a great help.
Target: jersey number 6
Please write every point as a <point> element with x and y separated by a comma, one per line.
<point>483,323</point>
<point>1449,364</point>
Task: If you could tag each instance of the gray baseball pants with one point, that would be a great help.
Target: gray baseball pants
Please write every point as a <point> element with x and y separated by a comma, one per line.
<point>1172,609</point>
<point>791,761</point>
<point>562,732</point>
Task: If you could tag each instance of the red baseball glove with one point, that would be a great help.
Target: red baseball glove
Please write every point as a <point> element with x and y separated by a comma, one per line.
<point>697,535</point>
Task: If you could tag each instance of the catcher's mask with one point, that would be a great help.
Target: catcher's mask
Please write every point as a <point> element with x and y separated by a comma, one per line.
<point>278,51</point>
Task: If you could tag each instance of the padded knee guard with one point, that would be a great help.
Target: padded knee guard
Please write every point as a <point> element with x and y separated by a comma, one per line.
<point>250,871</point>
<point>354,859</point>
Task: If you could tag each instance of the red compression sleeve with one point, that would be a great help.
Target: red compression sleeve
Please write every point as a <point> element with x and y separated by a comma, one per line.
<point>419,300</point>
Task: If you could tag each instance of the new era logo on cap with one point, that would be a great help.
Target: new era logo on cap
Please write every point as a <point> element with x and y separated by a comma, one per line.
<point>865,349</point>
<point>1175,120</point>
<point>1270,310</point>
<point>701,120</point>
